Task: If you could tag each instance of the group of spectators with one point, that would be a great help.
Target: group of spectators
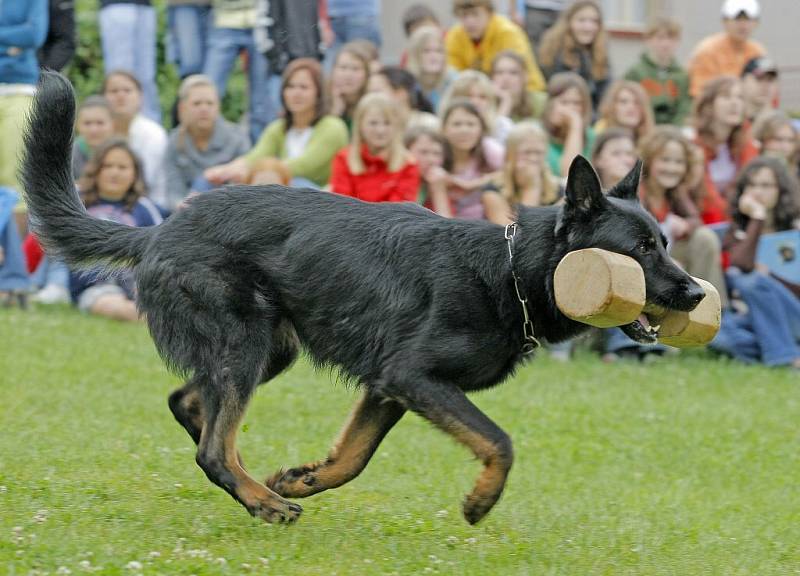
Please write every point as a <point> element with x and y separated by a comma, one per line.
<point>471,122</point>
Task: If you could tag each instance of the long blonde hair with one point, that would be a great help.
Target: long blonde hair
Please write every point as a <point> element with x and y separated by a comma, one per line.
<point>398,155</point>
<point>525,132</point>
<point>606,109</point>
<point>559,41</point>
<point>460,87</point>
<point>416,46</point>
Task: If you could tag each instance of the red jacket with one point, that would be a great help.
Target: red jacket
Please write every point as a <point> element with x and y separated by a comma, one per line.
<point>376,184</point>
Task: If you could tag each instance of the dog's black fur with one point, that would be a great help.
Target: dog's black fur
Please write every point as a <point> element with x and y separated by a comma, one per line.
<point>414,308</point>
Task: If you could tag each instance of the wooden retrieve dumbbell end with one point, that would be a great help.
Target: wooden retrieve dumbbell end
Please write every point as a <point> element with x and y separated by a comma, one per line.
<point>695,328</point>
<point>599,288</point>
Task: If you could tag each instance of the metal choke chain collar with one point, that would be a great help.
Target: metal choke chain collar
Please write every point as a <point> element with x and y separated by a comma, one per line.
<point>530,343</point>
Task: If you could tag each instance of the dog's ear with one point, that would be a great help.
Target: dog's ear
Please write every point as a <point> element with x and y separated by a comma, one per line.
<point>628,187</point>
<point>583,193</point>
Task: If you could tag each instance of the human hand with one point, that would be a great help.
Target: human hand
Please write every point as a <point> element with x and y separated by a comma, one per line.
<point>436,175</point>
<point>750,206</point>
<point>679,227</point>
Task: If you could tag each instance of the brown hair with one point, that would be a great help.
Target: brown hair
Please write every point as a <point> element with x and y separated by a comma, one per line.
<point>703,114</point>
<point>522,105</point>
<point>767,126</point>
<point>315,70</point>
<point>357,51</point>
<point>606,108</point>
<point>469,107</point>
<point>270,165</point>
<point>459,5</point>
<point>787,210</point>
<point>125,74</point>
<point>87,183</point>
<point>558,84</point>
<point>663,24</point>
<point>558,42</point>
<point>651,146</point>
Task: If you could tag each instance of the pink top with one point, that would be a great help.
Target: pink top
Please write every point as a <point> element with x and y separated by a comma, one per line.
<point>466,204</point>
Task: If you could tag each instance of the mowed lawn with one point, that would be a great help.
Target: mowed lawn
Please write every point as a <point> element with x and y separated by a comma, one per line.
<point>687,466</point>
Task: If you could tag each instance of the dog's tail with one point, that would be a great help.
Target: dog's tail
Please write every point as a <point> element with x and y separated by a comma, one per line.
<point>57,214</point>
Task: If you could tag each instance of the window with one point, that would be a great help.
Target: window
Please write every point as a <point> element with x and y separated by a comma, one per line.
<point>629,14</point>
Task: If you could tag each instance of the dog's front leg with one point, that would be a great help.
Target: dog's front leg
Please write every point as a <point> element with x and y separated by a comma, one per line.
<point>449,409</point>
<point>369,422</point>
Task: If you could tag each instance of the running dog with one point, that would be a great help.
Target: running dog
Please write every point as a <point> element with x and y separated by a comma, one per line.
<point>415,309</point>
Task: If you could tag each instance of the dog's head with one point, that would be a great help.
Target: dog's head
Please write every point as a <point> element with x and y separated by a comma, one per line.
<point>617,222</point>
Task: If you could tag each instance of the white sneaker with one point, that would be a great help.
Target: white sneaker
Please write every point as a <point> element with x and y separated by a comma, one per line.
<point>52,294</point>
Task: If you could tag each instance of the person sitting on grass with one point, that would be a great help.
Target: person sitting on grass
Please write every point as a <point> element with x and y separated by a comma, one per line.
<point>305,139</point>
<point>526,179</point>
<point>625,105</point>
<point>767,329</point>
<point>429,149</point>
<point>112,189</point>
<point>94,125</point>
<point>376,167</point>
<point>201,140</point>
<point>347,82</point>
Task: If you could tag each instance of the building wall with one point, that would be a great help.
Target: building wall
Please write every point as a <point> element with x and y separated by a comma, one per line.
<point>780,23</point>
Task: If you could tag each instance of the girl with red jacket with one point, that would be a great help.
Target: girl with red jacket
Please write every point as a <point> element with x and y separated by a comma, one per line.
<point>376,167</point>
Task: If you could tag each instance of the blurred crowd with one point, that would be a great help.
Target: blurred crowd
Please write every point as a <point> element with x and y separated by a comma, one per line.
<point>470,121</point>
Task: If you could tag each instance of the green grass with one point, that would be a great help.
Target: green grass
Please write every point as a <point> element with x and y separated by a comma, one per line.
<point>686,467</point>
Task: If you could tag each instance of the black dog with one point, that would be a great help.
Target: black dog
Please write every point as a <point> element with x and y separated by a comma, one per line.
<point>414,308</point>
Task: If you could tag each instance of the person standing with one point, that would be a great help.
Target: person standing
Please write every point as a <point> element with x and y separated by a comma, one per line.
<point>726,53</point>
<point>59,46</point>
<point>23,28</point>
<point>233,33</point>
<point>128,35</point>
<point>481,34</point>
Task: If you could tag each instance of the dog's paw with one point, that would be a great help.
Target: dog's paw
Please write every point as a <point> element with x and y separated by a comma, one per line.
<point>276,511</point>
<point>293,483</point>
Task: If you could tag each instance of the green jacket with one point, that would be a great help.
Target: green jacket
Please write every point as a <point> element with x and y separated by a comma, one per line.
<point>668,89</point>
<point>328,136</point>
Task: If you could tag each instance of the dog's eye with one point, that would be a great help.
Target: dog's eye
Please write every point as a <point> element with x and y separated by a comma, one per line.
<point>645,246</point>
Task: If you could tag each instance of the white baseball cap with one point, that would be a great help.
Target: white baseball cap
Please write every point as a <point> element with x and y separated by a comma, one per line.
<point>732,8</point>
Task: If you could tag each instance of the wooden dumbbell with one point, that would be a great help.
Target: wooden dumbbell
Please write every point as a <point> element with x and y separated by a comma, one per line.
<point>694,328</point>
<point>599,288</point>
<point>606,289</point>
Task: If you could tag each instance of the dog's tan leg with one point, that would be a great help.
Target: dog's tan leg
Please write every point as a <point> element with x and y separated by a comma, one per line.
<point>369,422</point>
<point>218,457</point>
<point>449,409</point>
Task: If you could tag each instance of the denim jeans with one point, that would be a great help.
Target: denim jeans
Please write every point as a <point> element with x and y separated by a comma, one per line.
<point>770,330</point>
<point>347,28</point>
<point>224,45</point>
<point>50,271</point>
<point>189,26</point>
<point>13,273</point>
<point>128,34</point>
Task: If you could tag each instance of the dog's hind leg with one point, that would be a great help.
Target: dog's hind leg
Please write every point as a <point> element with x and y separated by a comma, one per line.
<point>186,404</point>
<point>369,422</point>
<point>225,402</point>
<point>449,409</point>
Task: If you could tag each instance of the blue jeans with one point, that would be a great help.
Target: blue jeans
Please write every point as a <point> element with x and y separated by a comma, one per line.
<point>224,46</point>
<point>13,273</point>
<point>50,271</point>
<point>128,34</point>
<point>348,28</point>
<point>770,331</point>
<point>189,26</point>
